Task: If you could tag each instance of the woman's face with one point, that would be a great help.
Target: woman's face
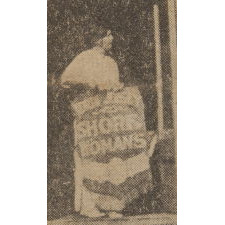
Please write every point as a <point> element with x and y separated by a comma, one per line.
<point>107,41</point>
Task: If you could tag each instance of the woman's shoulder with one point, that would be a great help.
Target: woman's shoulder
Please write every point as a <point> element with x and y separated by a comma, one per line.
<point>83,54</point>
<point>88,56</point>
<point>110,61</point>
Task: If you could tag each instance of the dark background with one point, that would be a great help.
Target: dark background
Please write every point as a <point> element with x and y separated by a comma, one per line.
<point>132,25</point>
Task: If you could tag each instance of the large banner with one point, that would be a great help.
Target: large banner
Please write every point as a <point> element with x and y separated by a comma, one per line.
<point>110,141</point>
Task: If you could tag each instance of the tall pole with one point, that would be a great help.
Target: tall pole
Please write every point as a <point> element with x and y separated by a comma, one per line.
<point>173,56</point>
<point>158,70</point>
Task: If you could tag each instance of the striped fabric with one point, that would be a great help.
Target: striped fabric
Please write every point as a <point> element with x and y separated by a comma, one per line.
<point>110,142</point>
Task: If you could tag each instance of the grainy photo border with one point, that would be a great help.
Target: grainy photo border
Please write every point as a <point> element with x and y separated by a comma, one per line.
<point>105,57</point>
<point>23,112</point>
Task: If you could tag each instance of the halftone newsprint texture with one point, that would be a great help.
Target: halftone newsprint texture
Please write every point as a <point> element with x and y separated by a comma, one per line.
<point>112,112</point>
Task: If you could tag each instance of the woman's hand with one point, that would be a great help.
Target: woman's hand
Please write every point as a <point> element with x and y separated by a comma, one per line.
<point>78,86</point>
<point>66,86</point>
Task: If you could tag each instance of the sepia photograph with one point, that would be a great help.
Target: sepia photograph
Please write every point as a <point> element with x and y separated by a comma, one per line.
<point>111,112</point>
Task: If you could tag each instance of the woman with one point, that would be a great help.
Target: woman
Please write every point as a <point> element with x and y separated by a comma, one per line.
<point>96,72</point>
<point>92,67</point>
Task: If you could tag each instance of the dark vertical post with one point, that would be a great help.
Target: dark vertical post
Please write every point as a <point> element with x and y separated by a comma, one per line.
<point>158,71</point>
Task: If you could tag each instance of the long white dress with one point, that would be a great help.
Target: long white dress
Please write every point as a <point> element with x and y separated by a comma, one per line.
<point>93,68</point>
